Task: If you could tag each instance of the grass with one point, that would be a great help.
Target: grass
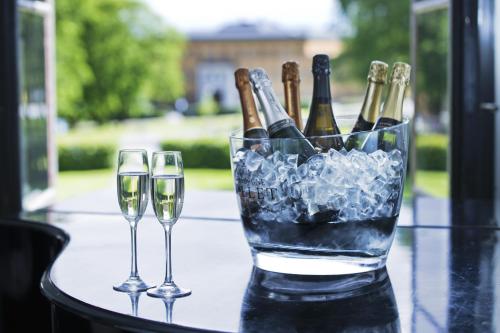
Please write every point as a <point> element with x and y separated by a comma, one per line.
<point>434,183</point>
<point>163,128</point>
<point>73,183</point>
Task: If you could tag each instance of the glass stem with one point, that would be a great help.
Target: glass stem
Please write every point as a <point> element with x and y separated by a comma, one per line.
<point>168,252</point>
<point>133,236</point>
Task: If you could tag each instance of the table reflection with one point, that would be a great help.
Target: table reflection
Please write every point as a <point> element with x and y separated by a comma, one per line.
<point>291,303</point>
<point>134,301</point>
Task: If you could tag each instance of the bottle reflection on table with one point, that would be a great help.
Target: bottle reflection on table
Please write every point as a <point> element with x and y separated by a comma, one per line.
<point>276,302</point>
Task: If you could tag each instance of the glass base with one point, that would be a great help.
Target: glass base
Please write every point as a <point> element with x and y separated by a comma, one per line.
<point>169,290</point>
<point>133,284</point>
<point>315,265</point>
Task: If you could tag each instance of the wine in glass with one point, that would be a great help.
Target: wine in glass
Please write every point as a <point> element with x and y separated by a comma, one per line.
<point>133,190</point>
<point>167,194</point>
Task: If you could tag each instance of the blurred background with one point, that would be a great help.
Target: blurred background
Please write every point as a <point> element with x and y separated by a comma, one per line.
<point>100,75</point>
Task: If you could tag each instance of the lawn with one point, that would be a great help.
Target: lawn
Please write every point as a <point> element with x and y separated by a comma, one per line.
<point>434,183</point>
<point>72,183</point>
<point>163,128</point>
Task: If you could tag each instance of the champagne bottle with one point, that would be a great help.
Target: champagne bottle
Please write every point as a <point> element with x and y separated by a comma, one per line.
<point>321,121</point>
<point>392,112</point>
<point>377,76</point>
<point>279,124</point>
<point>291,81</point>
<point>252,127</point>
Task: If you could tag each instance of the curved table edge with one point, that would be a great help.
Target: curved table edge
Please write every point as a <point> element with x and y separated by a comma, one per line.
<point>82,309</point>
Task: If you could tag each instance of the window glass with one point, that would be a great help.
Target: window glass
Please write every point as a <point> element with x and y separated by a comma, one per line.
<point>432,116</point>
<point>33,106</point>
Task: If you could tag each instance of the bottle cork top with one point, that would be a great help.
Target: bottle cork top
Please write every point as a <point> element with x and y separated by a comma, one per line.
<point>378,71</point>
<point>321,64</point>
<point>290,71</point>
<point>401,73</point>
<point>241,77</point>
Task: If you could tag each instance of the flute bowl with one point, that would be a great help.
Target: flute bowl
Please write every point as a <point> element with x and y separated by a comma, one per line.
<point>333,213</point>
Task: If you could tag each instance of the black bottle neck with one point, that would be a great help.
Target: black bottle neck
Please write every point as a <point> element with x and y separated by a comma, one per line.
<point>321,89</point>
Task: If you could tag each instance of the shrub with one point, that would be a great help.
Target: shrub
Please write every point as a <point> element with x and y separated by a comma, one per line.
<point>209,154</point>
<point>85,157</point>
<point>207,107</point>
<point>432,151</point>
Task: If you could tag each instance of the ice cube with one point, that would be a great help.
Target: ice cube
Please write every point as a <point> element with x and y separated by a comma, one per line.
<point>253,161</point>
<point>266,167</point>
<point>348,214</point>
<point>312,208</point>
<point>316,164</point>
<point>357,158</point>
<point>321,192</point>
<point>290,161</point>
<point>367,204</point>
<point>329,173</point>
<point>337,201</point>
<point>295,191</point>
<point>292,176</point>
<point>303,171</point>
<point>307,190</point>
<point>282,172</point>
<point>379,156</point>
<point>270,179</point>
<point>287,214</point>
<point>335,156</point>
<point>276,158</point>
<point>265,215</point>
<point>264,148</point>
<point>396,158</point>
<point>239,155</point>
<point>385,210</point>
<point>353,195</point>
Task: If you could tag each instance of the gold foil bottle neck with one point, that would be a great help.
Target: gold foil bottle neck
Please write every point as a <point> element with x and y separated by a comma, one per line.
<point>378,72</point>
<point>401,73</point>
<point>250,117</point>
<point>241,77</point>
<point>290,72</point>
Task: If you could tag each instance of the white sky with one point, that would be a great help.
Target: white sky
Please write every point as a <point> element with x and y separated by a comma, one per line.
<point>195,15</point>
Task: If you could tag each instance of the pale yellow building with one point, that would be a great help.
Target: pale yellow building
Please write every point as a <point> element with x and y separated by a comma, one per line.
<point>212,58</point>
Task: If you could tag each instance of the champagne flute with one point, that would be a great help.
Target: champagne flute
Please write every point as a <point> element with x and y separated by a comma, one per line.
<point>167,192</point>
<point>133,190</point>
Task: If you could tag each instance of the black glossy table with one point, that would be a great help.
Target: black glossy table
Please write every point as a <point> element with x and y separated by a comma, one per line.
<point>438,279</point>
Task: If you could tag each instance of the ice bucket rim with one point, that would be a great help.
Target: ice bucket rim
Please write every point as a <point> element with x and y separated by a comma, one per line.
<point>237,134</point>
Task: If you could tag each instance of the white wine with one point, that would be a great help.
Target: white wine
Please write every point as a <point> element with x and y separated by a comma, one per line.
<point>133,194</point>
<point>167,192</point>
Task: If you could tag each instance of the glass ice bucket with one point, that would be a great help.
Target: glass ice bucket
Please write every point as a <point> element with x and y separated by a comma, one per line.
<point>333,213</point>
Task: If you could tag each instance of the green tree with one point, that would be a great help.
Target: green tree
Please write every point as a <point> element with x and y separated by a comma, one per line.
<point>117,58</point>
<point>381,31</point>
<point>73,71</point>
<point>431,58</point>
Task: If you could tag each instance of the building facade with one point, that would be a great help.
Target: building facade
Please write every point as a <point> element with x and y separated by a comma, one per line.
<point>212,58</point>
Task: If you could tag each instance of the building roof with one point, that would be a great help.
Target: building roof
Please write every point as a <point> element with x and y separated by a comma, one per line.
<point>252,31</point>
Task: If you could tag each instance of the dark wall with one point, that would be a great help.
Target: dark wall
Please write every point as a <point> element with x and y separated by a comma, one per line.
<point>10,189</point>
